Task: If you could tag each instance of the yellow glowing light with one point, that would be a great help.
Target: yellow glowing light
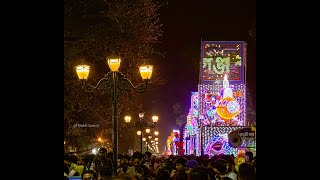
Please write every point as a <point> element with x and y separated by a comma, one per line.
<point>155,119</point>
<point>148,130</point>
<point>146,71</point>
<point>139,133</point>
<point>127,119</point>
<point>114,62</point>
<point>83,71</point>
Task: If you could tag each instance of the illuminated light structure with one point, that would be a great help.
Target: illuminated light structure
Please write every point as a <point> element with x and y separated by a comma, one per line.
<point>173,143</point>
<point>221,99</point>
<point>191,128</point>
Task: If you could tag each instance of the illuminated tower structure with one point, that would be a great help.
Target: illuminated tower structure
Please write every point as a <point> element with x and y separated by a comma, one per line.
<point>221,99</point>
<point>191,128</point>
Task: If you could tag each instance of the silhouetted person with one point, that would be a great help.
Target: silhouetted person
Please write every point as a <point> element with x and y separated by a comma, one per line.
<point>246,172</point>
<point>199,173</point>
<point>163,175</point>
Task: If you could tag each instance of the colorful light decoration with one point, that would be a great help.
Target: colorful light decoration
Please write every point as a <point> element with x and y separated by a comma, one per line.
<point>171,142</point>
<point>214,131</point>
<point>220,106</point>
<point>228,108</point>
<point>211,134</point>
<point>223,57</point>
<point>195,104</point>
<point>219,145</point>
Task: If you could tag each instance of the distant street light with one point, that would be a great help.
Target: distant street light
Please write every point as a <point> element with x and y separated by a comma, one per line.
<point>141,124</point>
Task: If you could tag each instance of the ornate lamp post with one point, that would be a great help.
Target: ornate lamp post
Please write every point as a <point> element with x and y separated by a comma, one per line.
<point>111,82</point>
<point>141,124</point>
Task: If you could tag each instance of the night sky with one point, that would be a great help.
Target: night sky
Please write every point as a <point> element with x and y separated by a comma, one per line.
<point>185,23</point>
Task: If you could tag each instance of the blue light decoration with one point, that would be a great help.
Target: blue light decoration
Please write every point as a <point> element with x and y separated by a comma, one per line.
<point>210,112</point>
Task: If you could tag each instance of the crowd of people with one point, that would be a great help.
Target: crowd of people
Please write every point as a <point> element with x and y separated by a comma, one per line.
<point>150,167</point>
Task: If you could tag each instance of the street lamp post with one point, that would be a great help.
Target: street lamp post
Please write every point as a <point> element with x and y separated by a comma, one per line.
<point>141,124</point>
<point>151,140</point>
<point>112,81</point>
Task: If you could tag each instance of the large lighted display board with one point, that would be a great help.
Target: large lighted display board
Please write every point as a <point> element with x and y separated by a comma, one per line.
<point>223,57</point>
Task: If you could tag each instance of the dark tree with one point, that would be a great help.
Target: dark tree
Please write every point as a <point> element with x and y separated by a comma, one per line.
<point>93,30</point>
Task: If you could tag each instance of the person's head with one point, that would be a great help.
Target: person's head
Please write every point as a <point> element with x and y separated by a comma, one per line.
<point>73,159</point>
<point>250,155</point>
<point>136,162</point>
<point>199,173</point>
<point>163,175</point>
<point>167,162</point>
<point>230,162</point>
<point>138,155</point>
<point>82,160</point>
<point>180,163</point>
<point>220,166</point>
<point>246,172</point>
<point>89,175</point>
<point>190,164</point>
<point>166,168</point>
<point>148,154</point>
<point>210,164</point>
<point>181,174</point>
<point>110,155</point>
<point>102,152</point>
<point>123,162</point>
<point>130,162</point>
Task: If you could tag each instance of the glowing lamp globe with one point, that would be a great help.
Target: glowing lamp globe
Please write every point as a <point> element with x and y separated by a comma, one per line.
<point>141,114</point>
<point>146,71</point>
<point>148,130</point>
<point>138,133</point>
<point>127,119</point>
<point>155,119</point>
<point>156,133</point>
<point>114,62</point>
<point>83,71</point>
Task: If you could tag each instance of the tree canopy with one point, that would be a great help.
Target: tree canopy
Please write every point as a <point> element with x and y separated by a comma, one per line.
<point>93,30</point>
